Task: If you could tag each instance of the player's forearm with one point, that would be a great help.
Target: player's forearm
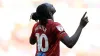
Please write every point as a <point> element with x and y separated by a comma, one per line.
<point>75,37</point>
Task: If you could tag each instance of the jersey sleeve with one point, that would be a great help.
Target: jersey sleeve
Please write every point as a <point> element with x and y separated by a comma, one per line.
<point>33,32</point>
<point>59,30</point>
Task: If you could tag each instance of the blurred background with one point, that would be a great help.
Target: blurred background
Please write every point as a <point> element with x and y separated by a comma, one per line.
<point>15,26</point>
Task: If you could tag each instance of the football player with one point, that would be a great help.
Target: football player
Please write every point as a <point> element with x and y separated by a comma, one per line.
<point>47,34</point>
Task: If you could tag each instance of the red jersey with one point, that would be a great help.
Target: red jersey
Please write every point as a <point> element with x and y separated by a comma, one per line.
<point>48,38</point>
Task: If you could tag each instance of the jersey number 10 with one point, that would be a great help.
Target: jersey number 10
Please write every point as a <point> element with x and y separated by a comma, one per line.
<point>39,41</point>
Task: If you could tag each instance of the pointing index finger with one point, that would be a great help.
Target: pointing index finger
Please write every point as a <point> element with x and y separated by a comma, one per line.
<point>84,14</point>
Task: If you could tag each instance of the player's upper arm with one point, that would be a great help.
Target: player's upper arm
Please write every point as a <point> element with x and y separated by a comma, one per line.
<point>62,35</point>
<point>32,39</point>
<point>67,41</point>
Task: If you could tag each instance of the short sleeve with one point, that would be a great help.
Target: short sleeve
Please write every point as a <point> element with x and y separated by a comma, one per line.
<point>59,30</point>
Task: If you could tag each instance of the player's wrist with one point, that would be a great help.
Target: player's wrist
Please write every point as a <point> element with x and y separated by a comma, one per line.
<point>80,26</point>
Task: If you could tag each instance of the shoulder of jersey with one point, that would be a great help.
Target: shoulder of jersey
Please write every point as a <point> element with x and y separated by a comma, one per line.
<point>35,25</point>
<point>59,26</point>
<point>56,23</point>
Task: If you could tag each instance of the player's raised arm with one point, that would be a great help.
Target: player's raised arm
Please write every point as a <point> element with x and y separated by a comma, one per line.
<point>71,41</point>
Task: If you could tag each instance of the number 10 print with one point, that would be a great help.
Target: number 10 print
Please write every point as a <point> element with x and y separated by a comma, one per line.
<point>39,41</point>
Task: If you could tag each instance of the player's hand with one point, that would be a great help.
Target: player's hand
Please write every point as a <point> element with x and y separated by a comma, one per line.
<point>84,20</point>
